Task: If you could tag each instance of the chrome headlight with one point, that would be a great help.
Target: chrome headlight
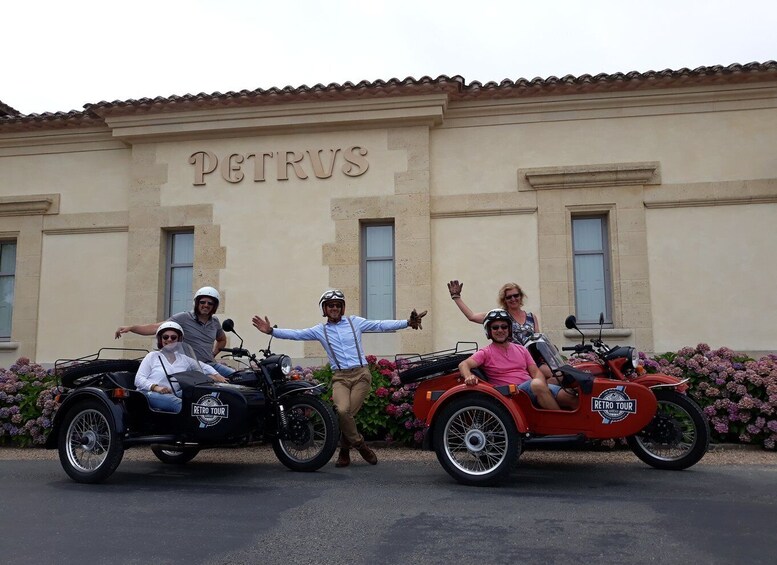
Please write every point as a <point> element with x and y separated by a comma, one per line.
<point>634,358</point>
<point>285,365</point>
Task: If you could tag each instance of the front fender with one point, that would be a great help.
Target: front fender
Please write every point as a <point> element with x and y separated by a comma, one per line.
<point>290,387</point>
<point>73,399</point>
<point>480,388</point>
<point>661,380</point>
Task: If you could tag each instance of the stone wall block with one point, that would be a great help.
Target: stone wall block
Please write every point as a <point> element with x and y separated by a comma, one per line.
<point>552,223</point>
<point>341,253</point>
<point>344,276</point>
<point>632,267</point>
<point>632,243</point>
<point>554,270</point>
<point>631,219</point>
<point>413,229</point>
<point>635,291</point>
<point>553,246</point>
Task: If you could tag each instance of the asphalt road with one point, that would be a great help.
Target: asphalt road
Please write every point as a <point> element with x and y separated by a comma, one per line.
<point>557,508</point>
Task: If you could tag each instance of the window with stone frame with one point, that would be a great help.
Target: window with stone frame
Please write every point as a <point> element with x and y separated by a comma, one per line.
<point>591,263</point>
<point>378,280</point>
<point>7,282</point>
<point>179,272</point>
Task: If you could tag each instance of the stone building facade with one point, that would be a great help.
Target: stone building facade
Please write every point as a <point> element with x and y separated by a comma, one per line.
<point>673,173</point>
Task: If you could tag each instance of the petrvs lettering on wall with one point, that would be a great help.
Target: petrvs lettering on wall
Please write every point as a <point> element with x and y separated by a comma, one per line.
<point>321,163</point>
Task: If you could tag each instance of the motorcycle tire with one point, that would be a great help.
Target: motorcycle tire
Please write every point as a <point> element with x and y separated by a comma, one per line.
<point>431,369</point>
<point>476,440</point>
<point>677,437</point>
<point>72,377</point>
<point>90,449</point>
<point>174,456</point>
<point>313,433</point>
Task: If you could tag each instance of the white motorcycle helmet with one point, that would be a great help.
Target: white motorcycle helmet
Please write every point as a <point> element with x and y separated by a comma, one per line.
<point>332,294</point>
<point>493,316</point>
<point>210,292</point>
<point>168,326</point>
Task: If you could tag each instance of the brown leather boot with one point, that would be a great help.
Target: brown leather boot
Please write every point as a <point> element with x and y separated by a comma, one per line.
<point>344,459</point>
<point>367,453</point>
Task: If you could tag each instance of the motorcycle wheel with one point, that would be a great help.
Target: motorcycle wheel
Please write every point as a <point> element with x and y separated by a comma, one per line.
<point>90,449</point>
<point>174,456</point>
<point>677,437</point>
<point>313,433</point>
<point>476,440</point>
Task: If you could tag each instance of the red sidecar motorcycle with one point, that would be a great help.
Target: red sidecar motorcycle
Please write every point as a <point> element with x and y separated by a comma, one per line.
<point>478,432</point>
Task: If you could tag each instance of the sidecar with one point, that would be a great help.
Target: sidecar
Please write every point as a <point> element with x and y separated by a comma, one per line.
<point>102,413</point>
<point>478,432</point>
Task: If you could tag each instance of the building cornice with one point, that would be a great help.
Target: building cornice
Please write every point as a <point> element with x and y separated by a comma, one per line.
<point>29,205</point>
<point>409,110</point>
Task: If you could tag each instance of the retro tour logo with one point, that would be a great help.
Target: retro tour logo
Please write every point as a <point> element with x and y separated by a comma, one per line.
<point>209,410</point>
<point>613,405</point>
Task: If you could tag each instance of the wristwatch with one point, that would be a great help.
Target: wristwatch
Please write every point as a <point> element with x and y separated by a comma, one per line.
<point>152,388</point>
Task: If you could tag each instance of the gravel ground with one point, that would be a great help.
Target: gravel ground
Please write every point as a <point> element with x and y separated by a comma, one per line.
<point>722,454</point>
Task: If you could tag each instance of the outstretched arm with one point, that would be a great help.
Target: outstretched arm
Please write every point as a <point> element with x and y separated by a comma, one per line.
<point>262,324</point>
<point>454,287</point>
<point>145,329</point>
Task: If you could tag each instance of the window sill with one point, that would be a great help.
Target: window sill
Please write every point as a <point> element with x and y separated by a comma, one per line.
<point>608,334</point>
<point>9,345</point>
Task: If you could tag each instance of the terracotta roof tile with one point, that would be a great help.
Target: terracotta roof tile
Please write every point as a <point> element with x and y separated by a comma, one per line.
<point>6,110</point>
<point>454,87</point>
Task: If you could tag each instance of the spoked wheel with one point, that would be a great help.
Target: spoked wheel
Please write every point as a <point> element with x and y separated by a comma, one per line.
<point>90,449</point>
<point>476,440</point>
<point>174,456</point>
<point>677,437</point>
<point>312,434</point>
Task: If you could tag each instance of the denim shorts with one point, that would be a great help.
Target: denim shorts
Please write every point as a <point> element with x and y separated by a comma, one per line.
<point>526,387</point>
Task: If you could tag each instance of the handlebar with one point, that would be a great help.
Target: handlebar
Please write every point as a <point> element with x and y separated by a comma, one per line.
<point>579,348</point>
<point>236,351</point>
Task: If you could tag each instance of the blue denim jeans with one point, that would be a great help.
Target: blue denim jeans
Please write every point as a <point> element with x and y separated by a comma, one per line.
<point>222,370</point>
<point>164,402</point>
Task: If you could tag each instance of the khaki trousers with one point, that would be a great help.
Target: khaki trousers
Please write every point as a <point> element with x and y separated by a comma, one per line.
<point>349,389</point>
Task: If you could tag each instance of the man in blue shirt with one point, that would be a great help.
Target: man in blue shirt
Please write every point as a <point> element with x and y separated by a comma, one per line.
<point>341,337</point>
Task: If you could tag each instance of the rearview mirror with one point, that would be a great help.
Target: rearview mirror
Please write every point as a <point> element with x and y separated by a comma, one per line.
<point>228,325</point>
<point>570,322</point>
<point>601,318</point>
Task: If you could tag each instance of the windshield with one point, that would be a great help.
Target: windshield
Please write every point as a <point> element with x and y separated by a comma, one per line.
<point>178,357</point>
<point>542,350</point>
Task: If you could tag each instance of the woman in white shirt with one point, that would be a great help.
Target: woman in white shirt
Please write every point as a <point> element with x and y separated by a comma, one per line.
<point>151,378</point>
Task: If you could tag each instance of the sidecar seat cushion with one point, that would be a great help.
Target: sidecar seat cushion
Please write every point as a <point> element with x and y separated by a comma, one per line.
<point>124,379</point>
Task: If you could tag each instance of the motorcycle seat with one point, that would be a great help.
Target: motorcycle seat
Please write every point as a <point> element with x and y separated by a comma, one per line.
<point>571,375</point>
<point>123,379</point>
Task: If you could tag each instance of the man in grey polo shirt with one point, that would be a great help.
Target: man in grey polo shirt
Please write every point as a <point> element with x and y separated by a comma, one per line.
<point>201,329</point>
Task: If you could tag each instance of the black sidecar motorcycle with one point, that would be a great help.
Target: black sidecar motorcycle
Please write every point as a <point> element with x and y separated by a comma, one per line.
<point>102,414</point>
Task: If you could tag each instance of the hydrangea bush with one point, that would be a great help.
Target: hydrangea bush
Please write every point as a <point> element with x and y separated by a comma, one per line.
<point>387,413</point>
<point>27,403</point>
<point>738,394</point>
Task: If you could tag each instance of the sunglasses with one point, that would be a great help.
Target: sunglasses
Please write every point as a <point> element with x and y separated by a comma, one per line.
<point>206,302</point>
<point>499,326</point>
<point>169,337</point>
<point>334,305</point>
<point>512,296</point>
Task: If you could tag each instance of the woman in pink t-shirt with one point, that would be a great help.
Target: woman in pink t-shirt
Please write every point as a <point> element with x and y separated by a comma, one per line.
<point>507,363</point>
